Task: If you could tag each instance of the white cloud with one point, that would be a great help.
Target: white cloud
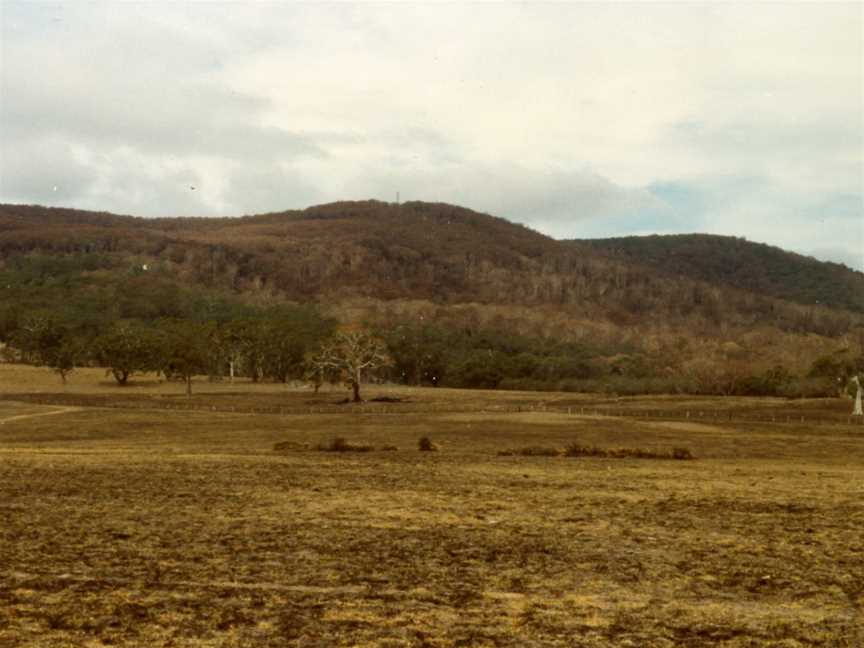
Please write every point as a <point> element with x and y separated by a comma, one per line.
<point>50,172</point>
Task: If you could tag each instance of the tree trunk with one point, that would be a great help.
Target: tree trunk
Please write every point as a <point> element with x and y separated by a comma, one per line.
<point>188,386</point>
<point>355,386</point>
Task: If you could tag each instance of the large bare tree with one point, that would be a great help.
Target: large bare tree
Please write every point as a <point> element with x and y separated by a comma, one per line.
<point>352,355</point>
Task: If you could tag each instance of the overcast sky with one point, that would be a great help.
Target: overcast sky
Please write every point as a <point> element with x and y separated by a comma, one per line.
<point>578,119</point>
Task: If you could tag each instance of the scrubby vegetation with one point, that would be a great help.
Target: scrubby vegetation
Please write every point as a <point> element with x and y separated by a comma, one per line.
<point>532,451</point>
<point>578,450</point>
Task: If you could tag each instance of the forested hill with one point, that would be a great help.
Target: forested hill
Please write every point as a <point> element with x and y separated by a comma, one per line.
<point>734,261</point>
<point>490,301</point>
<point>420,251</point>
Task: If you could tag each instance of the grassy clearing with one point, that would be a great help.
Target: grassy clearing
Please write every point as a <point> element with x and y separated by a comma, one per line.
<point>91,387</point>
<point>162,528</point>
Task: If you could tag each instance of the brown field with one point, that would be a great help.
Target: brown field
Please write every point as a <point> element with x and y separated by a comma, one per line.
<point>126,520</point>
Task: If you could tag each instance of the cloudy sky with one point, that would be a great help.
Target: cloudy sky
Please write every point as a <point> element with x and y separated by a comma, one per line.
<point>578,119</point>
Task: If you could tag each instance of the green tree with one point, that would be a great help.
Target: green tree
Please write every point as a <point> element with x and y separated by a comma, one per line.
<point>184,350</point>
<point>479,368</point>
<point>837,369</point>
<point>47,342</point>
<point>419,353</point>
<point>125,349</point>
<point>287,333</point>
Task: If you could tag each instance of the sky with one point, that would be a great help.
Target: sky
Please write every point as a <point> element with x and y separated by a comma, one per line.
<point>580,120</point>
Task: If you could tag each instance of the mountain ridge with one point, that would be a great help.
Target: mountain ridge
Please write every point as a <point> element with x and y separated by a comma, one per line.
<point>432,250</point>
<point>754,266</point>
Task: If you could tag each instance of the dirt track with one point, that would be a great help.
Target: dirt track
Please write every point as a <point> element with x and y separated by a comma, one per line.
<point>19,417</point>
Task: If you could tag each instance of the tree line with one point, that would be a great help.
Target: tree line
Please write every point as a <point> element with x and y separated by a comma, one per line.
<point>272,345</point>
<point>94,308</point>
<point>288,343</point>
<point>435,354</point>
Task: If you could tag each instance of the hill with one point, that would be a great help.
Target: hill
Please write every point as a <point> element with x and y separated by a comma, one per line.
<point>734,261</point>
<point>438,252</point>
<point>488,288</point>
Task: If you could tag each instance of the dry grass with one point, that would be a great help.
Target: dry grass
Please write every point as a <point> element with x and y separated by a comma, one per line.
<point>130,527</point>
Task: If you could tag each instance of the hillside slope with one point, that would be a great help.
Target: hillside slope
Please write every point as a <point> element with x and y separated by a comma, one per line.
<point>733,261</point>
<point>434,252</point>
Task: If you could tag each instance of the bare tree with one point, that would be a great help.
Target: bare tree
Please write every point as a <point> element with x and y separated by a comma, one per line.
<point>353,356</point>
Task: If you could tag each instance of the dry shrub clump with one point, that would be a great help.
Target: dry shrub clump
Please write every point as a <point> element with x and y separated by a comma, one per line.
<point>427,445</point>
<point>576,450</point>
<point>635,453</point>
<point>532,451</point>
<point>682,454</point>
<point>340,444</point>
<point>286,446</point>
